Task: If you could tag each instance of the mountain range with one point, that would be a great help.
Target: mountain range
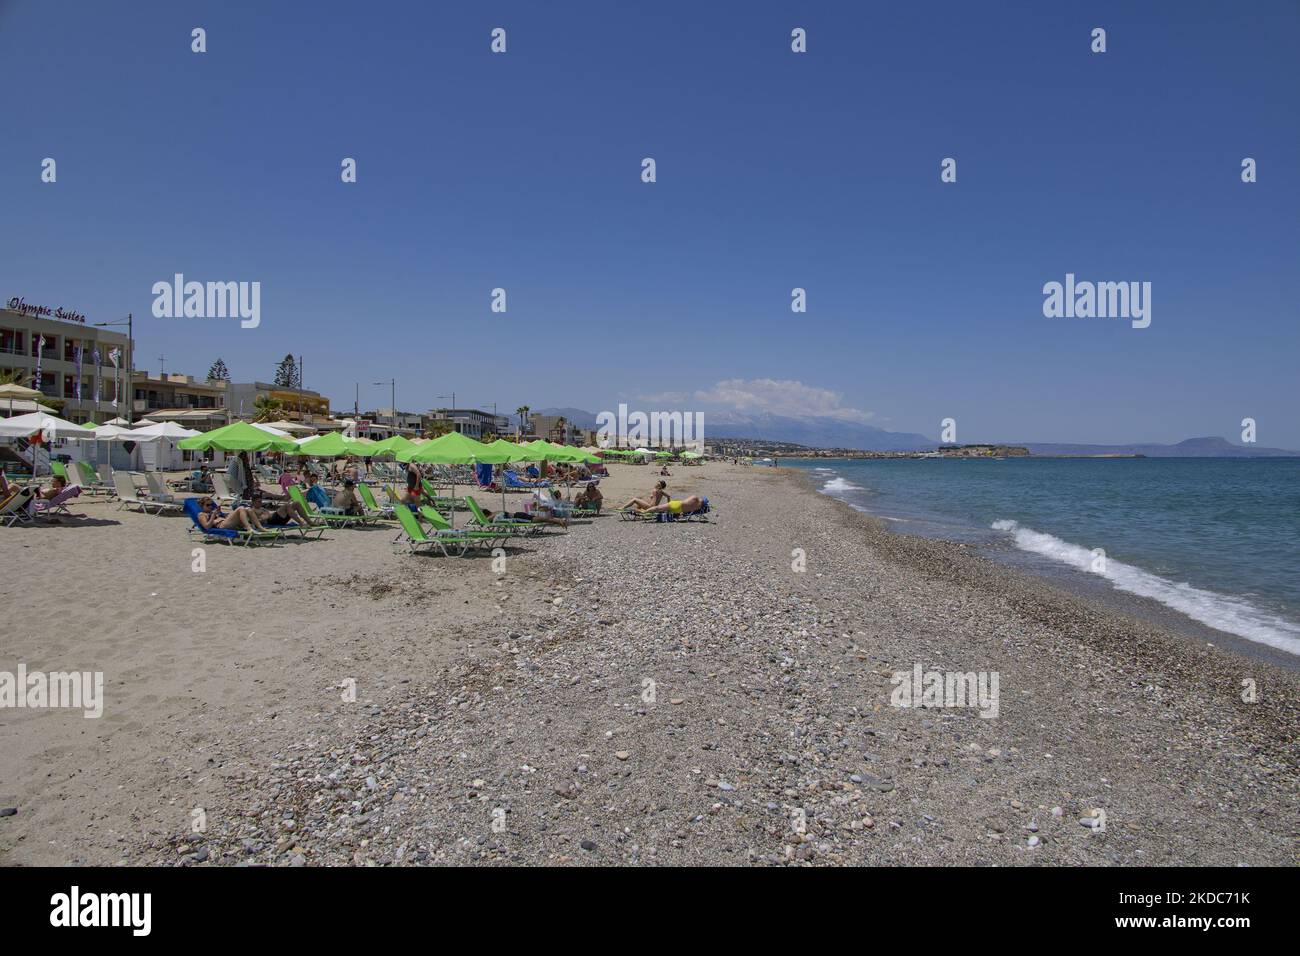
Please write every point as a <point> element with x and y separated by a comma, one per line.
<point>822,432</point>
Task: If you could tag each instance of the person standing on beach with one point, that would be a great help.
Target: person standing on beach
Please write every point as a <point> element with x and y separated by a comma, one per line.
<point>250,483</point>
<point>414,486</point>
<point>235,472</point>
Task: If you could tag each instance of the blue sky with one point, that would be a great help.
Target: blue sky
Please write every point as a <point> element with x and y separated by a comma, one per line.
<point>775,170</point>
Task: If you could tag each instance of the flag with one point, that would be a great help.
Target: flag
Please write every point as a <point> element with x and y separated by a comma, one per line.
<point>99,390</point>
<point>77,383</point>
<point>40,349</point>
<point>113,354</point>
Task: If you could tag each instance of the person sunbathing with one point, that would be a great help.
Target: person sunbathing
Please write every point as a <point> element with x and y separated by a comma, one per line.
<point>549,509</point>
<point>590,498</point>
<point>241,519</point>
<point>660,494</point>
<point>281,514</point>
<point>506,515</point>
<point>57,484</point>
<point>346,500</point>
<point>688,505</point>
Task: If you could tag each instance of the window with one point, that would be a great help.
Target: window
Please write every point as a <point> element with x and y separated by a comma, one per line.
<point>11,341</point>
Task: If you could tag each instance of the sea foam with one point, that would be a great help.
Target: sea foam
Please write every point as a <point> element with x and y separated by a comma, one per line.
<point>1220,611</point>
<point>839,485</point>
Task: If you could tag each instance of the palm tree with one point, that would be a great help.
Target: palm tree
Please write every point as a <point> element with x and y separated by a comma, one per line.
<point>522,411</point>
<point>267,408</point>
<point>15,376</point>
<point>437,429</point>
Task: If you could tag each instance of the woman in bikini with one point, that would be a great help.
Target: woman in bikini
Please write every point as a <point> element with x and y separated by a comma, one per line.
<point>660,494</point>
<point>688,505</point>
<point>241,519</point>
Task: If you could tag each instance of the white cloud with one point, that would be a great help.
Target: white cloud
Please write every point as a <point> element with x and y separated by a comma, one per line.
<point>773,396</point>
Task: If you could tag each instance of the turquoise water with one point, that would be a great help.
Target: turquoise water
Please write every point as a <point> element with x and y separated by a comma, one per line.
<point>1216,539</point>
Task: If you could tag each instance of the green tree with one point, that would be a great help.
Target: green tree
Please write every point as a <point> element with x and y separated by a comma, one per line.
<point>287,374</point>
<point>218,372</point>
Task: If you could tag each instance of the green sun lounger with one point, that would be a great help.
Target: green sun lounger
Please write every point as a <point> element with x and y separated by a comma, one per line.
<point>484,538</point>
<point>480,520</point>
<point>440,501</point>
<point>373,507</point>
<point>91,481</point>
<point>418,541</point>
<point>333,520</point>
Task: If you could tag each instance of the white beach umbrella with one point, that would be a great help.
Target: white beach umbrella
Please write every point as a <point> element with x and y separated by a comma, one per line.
<point>50,428</point>
<point>168,430</point>
<point>12,390</point>
<point>272,430</point>
<point>22,405</point>
<point>292,428</point>
<point>111,433</point>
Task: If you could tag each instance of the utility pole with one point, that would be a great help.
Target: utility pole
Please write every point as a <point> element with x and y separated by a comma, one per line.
<point>162,367</point>
<point>299,388</point>
<point>130,370</point>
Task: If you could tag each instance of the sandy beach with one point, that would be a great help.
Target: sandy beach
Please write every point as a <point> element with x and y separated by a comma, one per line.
<point>624,693</point>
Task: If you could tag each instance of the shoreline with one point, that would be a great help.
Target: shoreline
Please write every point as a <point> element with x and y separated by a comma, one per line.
<point>1082,587</point>
<point>523,699</point>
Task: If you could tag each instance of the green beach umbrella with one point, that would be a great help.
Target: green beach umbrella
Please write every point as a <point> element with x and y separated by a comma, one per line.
<point>542,450</point>
<point>452,448</point>
<point>515,452</point>
<point>238,436</point>
<point>329,445</point>
<point>577,454</point>
<point>391,446</point>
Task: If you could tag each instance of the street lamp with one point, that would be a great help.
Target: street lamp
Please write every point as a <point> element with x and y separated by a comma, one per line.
<point>130,363</point>
<point>392,384</point>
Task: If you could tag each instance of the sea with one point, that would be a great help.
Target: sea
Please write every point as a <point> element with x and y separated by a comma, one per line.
<point>1213,540</point>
